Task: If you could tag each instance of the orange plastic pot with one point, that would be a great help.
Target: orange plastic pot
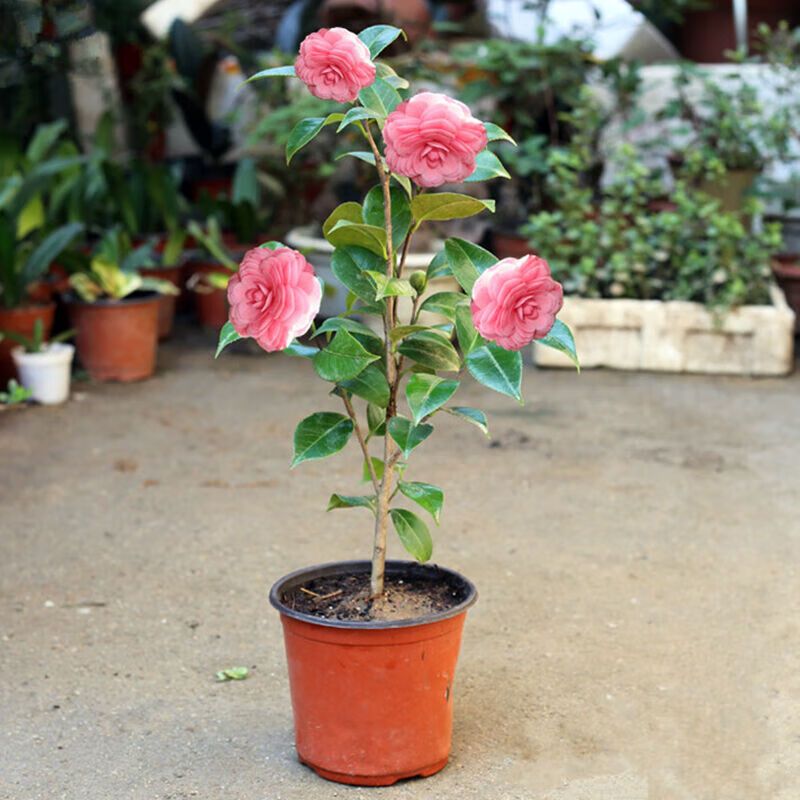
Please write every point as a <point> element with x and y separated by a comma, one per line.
<point>166,302</point>
<point>21,320</point>
<point>373,701</point>
<point>117,340</point>
<point>211,305</point>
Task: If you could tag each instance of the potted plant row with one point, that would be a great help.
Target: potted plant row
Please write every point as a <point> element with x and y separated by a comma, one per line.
<point>372,645</point>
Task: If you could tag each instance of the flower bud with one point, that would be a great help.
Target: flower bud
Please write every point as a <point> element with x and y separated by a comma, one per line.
<point>418,281</point>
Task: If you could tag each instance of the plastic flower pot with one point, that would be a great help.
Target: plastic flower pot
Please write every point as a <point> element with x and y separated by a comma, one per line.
<point>211,305</point>
<point>510,245</point>
<point>21,320</point>
<point>166,302</point>
<point>46,374</point>
<point>373,701</point>
<point>117,340</point>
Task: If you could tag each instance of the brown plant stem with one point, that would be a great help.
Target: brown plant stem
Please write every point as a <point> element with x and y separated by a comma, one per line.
<point>361,440</point>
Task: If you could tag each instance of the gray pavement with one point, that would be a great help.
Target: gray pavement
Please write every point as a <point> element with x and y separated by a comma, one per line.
<point>635,539</point>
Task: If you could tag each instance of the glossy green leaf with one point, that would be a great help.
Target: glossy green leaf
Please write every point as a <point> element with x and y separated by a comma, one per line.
<point>334,324</point>
<point>343,358</point>
<point>371,384</point>
<point>407,435</point>
<point>272,72</point>
<point>477,418</point>
<point>357,234</point>
<point>413,533</point>
<point>376,420</point>
<point>355,114</point>
<point>560,338</point>
<point>497,369</point>
<point>306,130</point>
<point>320,435</point>
<point>272,245</point>
<point>352,501</point>
<point>378,37</point>
<point>390,287</point>
<point>443,303</point>
<point>349,264</point>
<point>404,182</point>
<point>427,393</point>
<point>487,166</point>
<point>431,350</point>
<point>467,261</point>
<point>468,336</point>
<point>401,331</point>
<point>429,497</point>
<point>439,266</point>
<point>348,211</point>
<point>380,97</point>
<point>227,335</point>
<point>301,350</point>
<point>447,205</point>
<point>496,133</point>
<point>377,465</point>
<point>361,155</point>
<point>373,212</point>
<point>47,251</point>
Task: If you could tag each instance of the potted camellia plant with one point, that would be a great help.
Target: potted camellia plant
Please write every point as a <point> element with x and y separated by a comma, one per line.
<point>43,367</point>
<point>114,309</point>
<point>372,645</point>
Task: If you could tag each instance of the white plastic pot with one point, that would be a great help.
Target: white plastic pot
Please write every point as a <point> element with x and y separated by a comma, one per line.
<point>46,374</point>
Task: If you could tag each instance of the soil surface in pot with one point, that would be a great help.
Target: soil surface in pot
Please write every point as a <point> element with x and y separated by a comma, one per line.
<point>346,597</point>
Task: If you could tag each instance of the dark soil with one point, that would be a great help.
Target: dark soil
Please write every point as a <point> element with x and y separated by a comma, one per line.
<point>346,597</point>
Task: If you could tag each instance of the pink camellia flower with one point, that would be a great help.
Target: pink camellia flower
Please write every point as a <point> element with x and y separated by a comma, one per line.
<point>335,64</point>
<point>433,139</point>
<point>273,297</point>
<point>516,301</point>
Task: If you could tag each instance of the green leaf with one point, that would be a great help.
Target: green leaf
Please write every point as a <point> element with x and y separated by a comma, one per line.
<point>377,465</point>
<point>447,205</point>
<point>443,303</point>
<point>468,336</point>
<point>355,114</point>
<point>404,182</point>
<point>431,350</point>
<point>48,250</point>
<point>272,245</point>
<point>498,369</point>
<point>352,501</point>
<point>477,418</point>
<point>439,266</point>
<point>487,166</point>
<point>496,133</point>
<point>560,338</point>
<point>227,335</point>
<point>349,264</point>
<point>302,350</point>
<point>401,331</point>
<point>467,261</point>
<point>348,211</point>
<point>413,533</point>
<point>371,384</point>
<point>270,73</point>
<point>393,287</point>
<point>320,435</point>
<point>376,420</point>
<point>245,183</point>
<point>351,325</point>
<point>346,233</point>
<point>383,70</point>
<point>427,393</point>
<point>381,98</point>
<point>406,435</point>
<point>429,497</point>
<point>401,212</point>
<point>306,130</point>
<point>379,37</point>
<point>361,155</point>
<point>232,674</point>
<point>342,359</point>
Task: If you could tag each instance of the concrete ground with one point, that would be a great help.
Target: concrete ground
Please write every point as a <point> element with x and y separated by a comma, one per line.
<point>635,539</point>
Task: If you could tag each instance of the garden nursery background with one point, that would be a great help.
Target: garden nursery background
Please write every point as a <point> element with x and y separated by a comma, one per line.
<point>636,540</point>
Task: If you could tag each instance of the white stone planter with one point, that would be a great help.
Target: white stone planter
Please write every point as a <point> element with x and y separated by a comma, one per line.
<point>318,252</point>
<point>677,336</point>
<point>46,374</point>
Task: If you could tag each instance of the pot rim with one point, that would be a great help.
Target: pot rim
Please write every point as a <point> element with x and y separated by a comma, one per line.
<point>52,351</point>
<point>27,308</point>
<point>142,299</point>
<point>396,566</point>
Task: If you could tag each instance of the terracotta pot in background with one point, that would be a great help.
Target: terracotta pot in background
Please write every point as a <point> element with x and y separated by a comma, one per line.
<point>510,245</point>
<point>21,320</point>
<point>211,305</point>
<point>117,340</point>
<point>373,702</point>
<point>166,302</point>
<point>786,269</point>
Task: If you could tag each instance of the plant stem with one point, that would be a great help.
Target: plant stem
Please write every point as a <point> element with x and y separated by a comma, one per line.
<point>352,414</point>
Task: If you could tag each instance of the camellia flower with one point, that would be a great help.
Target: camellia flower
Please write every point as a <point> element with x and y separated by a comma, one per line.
<point>335,64</point>
<point>433,139</point>
<point>516,301</point>
<point>274,296</point>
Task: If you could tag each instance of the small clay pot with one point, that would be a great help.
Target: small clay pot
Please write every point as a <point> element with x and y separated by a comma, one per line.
<point>166,302</point>
<point>211,305</point>
<point>117,340</point>
<point>21,320</point>
<point>373,701</point>
<point>510,245</point>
